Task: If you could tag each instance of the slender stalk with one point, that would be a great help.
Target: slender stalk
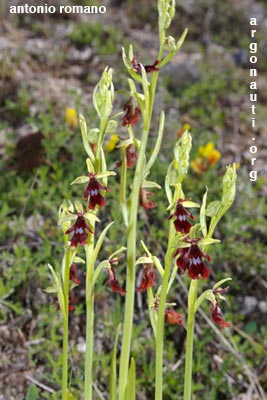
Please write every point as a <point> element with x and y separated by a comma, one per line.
<point>192,296</point>
<point>65,327</point>
<point>88,378</point>
<point>131,249</point>
<point>161,313</point>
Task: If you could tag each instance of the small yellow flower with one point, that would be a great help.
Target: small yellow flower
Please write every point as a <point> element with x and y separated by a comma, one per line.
<point>71,117</point>
<point>207,156</point>
<point>111,144</point>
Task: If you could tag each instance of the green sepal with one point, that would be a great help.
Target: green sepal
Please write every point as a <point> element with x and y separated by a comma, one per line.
<point>91,217</point>
<point>105,174</point>
<point>50,289</point>
<point>144,260</point>
<point>90,166</point>
<point>150,185</point>
<point>119,251</point>
<point>208,241</point>
<point>78,205</point>
<point>80,179</point>
<point>111,127</point>
<point>222,281</point>
<point>93,135</point>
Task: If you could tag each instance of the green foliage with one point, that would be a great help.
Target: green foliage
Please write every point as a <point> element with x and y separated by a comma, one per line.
<point>104,39</point>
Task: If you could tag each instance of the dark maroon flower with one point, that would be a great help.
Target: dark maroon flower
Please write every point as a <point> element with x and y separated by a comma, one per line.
<point>148,279</point>
<point>191,259</point>
<point>131,156</point>
<point>113,283</point>
<point>181,215</point>
<point>148,68</point>
<point>92,191</point>
<point>73,277</point>
<point>80,229</point>
<point>144,199</point>
<point>173,317</point>
<point>216,316</point>
<point>132,113</point>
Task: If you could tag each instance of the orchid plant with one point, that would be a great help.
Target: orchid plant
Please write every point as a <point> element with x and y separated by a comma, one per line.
<point>188,242</point>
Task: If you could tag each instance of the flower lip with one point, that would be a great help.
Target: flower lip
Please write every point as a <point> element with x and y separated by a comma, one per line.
<point>190,259</point>
<point>80,230</point>
<point>148,278</point>
<point>144,199</point>
<point>181,216</point>
<point>217,317</point>
<point>131,113</point>
<point>92,192</point>
<point>113,282</point>
<point>173,317</point>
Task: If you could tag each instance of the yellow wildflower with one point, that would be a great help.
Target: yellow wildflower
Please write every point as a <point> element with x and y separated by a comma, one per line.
<point>207,156</point>
<point>111,144</point>
<point>71,117</point>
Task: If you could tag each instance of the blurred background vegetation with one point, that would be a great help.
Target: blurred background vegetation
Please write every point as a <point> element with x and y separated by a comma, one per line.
<point>50,63</point>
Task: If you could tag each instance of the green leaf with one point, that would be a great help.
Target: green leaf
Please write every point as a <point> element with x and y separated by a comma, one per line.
<point>86,144</point>
<point>113,369</point>
<point>130,387</point>
<point>60,294</point>
<point>32,393</point>
<point>157,144</point>
<point>202,216</point>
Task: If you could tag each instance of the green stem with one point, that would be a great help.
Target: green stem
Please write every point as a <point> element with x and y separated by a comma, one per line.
<point>161,314</point>
<point>66,326</point>
<point>192,296</point>
<point>88,379</point>
<point>131,248</point>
